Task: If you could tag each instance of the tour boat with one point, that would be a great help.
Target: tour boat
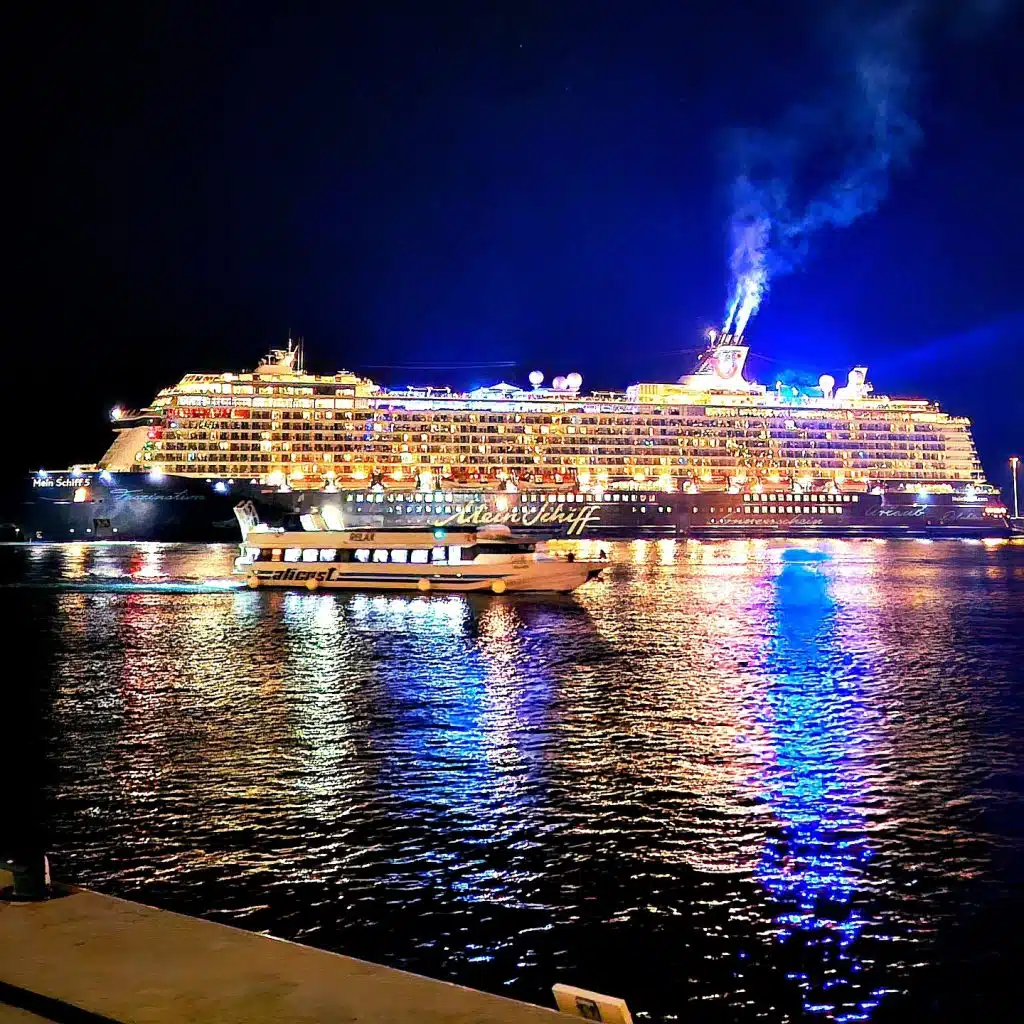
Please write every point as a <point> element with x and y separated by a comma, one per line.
<point>322,554</point>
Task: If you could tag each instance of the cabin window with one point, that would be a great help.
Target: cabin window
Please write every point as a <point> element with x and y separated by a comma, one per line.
<point>437,554</point>
<point>399,555</point>
<point>275,555</point>
<point>328,554</point>
<point>292,554</point>
<point>419,556</point>
<point>455,553</point>
<point>362,554</point>
<point>380,555</point>
<point>310,554</point>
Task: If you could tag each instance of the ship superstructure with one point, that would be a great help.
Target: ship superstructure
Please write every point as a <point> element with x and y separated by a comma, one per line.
<point>712,430</point>
<point>710,454</point>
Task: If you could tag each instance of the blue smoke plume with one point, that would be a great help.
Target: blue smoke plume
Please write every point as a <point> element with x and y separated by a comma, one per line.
<point>829,162</point>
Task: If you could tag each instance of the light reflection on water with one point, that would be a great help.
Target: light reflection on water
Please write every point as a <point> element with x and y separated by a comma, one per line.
<point>740,778</point>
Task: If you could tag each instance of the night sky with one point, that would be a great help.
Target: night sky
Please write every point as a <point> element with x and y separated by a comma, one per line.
<point>419,187</point>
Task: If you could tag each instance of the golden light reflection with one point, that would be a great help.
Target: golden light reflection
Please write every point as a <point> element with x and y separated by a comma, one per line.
<point>489,751</point>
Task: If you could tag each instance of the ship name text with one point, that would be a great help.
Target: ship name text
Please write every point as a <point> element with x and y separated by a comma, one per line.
<point>60,481</point>
<point>575,520</point>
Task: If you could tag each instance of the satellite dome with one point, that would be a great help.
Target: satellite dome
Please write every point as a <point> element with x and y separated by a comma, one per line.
<point>573,381</point>
<point>826,382</point>
<point>536,378</point>
<point>558,383</point>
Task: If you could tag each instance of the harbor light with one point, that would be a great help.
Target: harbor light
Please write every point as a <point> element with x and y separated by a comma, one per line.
<point>220,487</point>
<point>1014,463</point>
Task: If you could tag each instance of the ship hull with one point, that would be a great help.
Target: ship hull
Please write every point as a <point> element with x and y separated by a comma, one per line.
<point>134,507</point>
<point>89,506</point>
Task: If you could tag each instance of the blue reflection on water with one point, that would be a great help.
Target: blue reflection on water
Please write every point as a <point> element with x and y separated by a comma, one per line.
<point>464,755</point>
<point>814,864</point>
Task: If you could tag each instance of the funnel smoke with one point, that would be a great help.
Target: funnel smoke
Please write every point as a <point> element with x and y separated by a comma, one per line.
<point>829,162</point>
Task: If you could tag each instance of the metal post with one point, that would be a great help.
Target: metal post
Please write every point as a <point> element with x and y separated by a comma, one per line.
<point>31,872</point>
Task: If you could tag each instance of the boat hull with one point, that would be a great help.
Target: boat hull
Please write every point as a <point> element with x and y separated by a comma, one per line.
<point>91,506</point>
<point>555,576</point>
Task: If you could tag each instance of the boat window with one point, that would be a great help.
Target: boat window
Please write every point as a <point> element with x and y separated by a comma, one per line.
<point>419,556</point>
<point>454,553</point>
<point>310,554</point>
<point>328,554</point>
<point>275,555</point>
<point>399,555</point>
<point>380,555</point>
<point>469,553</point>
<point>362,554</point>
<point>437,554</point>
<point>292,554</point>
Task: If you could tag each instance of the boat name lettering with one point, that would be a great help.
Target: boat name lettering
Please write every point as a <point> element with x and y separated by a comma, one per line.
<point>365,536</point>
<point>478,514</point>
<point>299,575</point>
<point>60,481</point>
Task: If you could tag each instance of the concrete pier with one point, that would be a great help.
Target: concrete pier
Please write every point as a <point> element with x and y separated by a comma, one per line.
<point>87,954</point>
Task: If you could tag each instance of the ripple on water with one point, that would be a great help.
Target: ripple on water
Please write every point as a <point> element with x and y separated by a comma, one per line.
<point>750,780</point>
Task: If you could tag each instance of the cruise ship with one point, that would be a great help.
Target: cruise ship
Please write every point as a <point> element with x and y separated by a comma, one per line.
<point>711,454</point>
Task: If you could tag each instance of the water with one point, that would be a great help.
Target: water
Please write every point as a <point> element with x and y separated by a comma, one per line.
<point>745,781</point>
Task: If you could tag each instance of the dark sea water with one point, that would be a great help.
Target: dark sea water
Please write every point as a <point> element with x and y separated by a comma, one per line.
<point>728,781</point>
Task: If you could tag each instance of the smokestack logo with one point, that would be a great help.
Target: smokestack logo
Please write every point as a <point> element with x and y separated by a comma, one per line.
<point>727,363</point>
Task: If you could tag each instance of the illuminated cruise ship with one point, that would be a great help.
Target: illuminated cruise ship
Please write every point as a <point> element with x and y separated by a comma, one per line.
<point>710,454</point>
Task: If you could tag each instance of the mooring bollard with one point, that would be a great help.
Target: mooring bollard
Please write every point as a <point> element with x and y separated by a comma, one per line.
<point>31,878</point>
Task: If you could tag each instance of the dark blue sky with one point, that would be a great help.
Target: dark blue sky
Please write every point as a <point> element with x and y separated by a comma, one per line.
<point>540,183</point>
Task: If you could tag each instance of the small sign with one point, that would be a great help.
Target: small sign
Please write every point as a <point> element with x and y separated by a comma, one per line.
<point>578,1002</point>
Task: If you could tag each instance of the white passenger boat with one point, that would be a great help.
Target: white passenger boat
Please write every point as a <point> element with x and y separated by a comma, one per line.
<point>328,556</point>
